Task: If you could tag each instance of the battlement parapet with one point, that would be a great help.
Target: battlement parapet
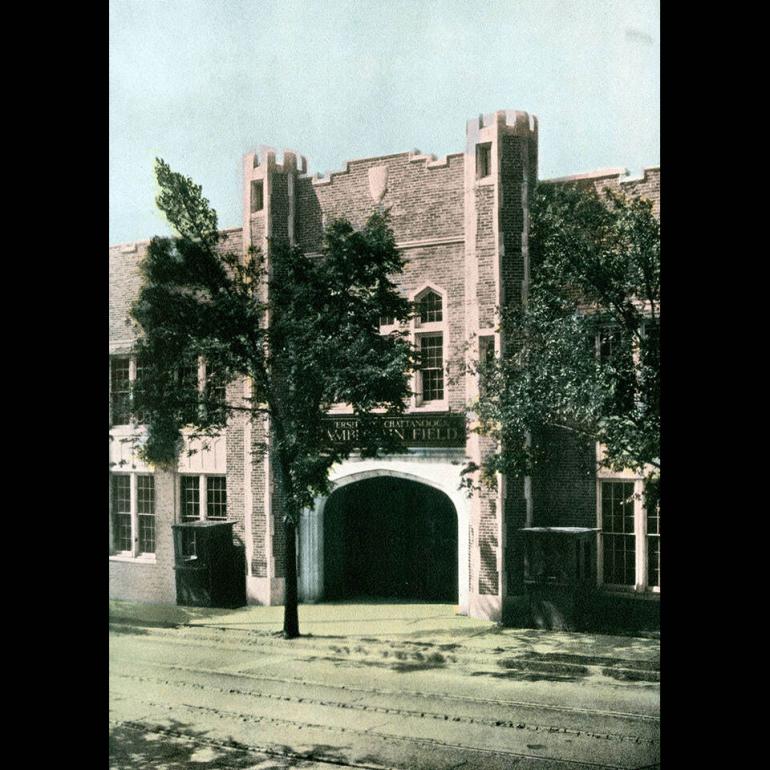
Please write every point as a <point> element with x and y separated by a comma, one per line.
<point>431,161</point>
<point>616,174</point>
<point>265,160</point>
<point>512,121</point>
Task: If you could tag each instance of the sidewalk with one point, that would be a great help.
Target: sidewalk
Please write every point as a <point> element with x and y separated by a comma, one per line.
<point>416,623</point>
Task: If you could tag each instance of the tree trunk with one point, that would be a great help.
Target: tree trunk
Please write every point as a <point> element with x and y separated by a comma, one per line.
<point>290,616</point>
<point>289,522</point>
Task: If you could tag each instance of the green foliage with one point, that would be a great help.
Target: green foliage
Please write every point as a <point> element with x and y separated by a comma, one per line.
<point>303,331</point>
<point>595,264</point>
<point>182,201</point>
<point>306,336</point>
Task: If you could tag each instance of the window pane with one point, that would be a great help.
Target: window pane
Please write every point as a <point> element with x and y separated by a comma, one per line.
<point>140,417</point>
<point>216,497</point>
<point>145,494</point>
<point>145,506</point>
<point>121,513</point>
<point>653,561</point>
<point>146,533</point>
<point>432,367</point>
<point>618,538</point>
<point>190,498</point>
<point>652,512</point>
<point>120,391</point>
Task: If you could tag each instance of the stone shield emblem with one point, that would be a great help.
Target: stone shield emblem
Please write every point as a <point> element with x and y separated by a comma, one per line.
<point>378,182</point>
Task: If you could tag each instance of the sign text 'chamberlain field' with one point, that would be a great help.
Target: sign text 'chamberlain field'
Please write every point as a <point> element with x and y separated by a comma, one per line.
<point>445,429</point>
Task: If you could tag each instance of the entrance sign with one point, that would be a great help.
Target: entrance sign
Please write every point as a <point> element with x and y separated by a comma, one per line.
<point>442,429</point>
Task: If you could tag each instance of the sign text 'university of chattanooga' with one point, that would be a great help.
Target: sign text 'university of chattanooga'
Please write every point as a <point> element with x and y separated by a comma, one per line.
<point>446,429</point>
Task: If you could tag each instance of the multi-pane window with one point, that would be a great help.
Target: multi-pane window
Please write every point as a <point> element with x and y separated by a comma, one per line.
<point>386,320</point>
<point>121,513</point>
<point>145,509</point>
<point>216,497</point>
<point>630,537</point>
<point>125,374</point>
<point>133,513</point>
<point>120,390</point>
<point>618,533</point>
<point>652,515</point>
<point>203,497</point>
<point>429,308</point>
<point>432,367</point>
<point>190,498</point>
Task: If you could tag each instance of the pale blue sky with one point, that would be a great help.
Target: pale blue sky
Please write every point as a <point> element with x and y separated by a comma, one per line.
<point>201,82</point>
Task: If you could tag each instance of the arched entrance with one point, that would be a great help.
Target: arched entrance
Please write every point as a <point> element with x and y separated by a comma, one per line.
<point>392,538</point>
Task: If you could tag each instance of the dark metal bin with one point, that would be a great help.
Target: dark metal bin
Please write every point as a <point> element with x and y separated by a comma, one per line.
<point>210,567</point>
<point>560,575</point>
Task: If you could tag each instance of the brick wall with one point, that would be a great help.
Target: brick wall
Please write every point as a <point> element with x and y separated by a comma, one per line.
<point>425,200</point>
<point>564,490</point>
<point>648,186</point>
<point>486,292</point>
<point>124,282</point>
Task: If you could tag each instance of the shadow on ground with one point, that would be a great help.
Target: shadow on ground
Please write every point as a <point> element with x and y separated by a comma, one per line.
<point>177,746</point>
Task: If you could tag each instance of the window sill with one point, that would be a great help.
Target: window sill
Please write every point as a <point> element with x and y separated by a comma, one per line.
<point>124,557</point>
<point>428,327</point>
<point>430,406</point>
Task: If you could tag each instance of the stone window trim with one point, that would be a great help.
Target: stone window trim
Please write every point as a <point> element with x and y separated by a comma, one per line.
<point>142,511</point>
<point>430,329</point>
<point>641,586</point>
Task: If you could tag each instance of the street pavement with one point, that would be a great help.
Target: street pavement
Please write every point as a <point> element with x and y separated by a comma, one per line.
<point>401,686</point>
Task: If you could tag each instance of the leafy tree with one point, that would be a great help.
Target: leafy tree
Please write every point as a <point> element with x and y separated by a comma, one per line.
<point>304,331</point>
<point>582,351</point>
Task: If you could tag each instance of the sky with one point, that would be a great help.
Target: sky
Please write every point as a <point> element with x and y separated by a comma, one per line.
<point>200,83</point>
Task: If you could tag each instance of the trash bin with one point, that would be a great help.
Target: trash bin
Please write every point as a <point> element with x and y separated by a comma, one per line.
<point>210,567</point>
<point>560,575</point>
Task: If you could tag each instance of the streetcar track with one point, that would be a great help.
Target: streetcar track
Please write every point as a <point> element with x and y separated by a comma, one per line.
<point>404,691</point>
<point>189,634</point>
<point>432,742</point>
<point>398,711</point>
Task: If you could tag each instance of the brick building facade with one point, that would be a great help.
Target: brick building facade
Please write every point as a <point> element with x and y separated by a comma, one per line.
<point>461,222</point>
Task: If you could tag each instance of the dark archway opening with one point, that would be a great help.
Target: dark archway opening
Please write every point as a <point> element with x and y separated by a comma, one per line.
<point>390,538</point>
